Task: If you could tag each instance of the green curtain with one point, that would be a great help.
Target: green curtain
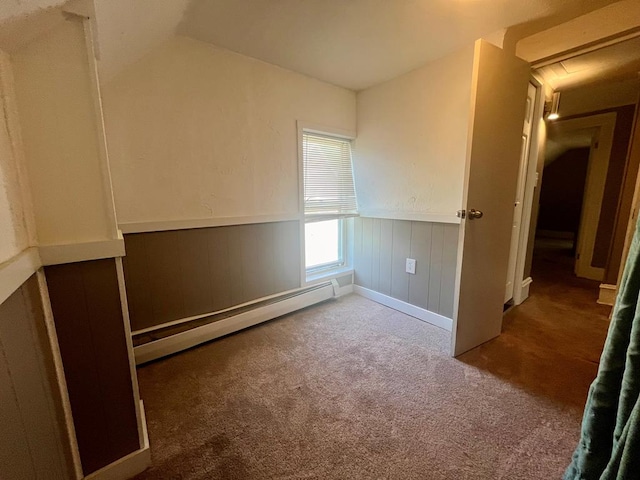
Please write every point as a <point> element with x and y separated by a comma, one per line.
<point>609,446</point>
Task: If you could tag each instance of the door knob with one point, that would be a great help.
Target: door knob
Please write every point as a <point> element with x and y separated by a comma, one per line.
<point>473,213</point>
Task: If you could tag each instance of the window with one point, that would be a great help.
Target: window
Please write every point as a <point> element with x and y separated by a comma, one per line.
<point>329,198</point>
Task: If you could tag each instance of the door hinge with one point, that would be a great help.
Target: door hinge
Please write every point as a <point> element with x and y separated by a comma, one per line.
<point>577,256</point>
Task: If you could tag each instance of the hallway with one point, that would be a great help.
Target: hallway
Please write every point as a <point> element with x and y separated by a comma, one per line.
<point>551,344</point>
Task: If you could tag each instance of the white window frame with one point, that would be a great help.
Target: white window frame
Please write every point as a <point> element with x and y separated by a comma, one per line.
<point>319,273</point>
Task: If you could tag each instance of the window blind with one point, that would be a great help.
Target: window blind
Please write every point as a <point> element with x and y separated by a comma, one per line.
<point>328,178</point>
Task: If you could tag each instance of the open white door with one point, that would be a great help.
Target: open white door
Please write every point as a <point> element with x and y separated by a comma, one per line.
<point>493,156</point>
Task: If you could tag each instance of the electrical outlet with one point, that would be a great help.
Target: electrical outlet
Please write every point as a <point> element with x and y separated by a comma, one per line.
<point>411,266</point>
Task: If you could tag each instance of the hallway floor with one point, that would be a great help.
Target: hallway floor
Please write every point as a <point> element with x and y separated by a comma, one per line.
<point>551,344</point>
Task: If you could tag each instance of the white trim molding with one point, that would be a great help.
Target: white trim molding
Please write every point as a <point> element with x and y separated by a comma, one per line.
<point>129,339</point>
<point>130,465</point>
<point>164,225</point>
<point>412,216</point>
<point>404,307</point>
<point>82,251</point>
<point>17,270</point>
<point>204,333</point>
<point>607,295</point>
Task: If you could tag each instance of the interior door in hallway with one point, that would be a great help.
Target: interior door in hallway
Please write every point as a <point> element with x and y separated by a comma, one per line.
<point>520,191</point>
<point>493,156</point>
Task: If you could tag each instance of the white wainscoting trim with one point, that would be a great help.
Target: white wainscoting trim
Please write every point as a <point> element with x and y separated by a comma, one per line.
<point>17,270</point>
<point>607,295</point>
<point>412,216</point>
<point>129,466</point>
<point>164,225</point>
<point>80,252</point>
<point>195,336</point>
<point>124,306</point>
<point>404,307</point>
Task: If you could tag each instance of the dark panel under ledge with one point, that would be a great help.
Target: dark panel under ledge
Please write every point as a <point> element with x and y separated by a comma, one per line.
<point>179,274</point>
<point>88,316</point>
<point>33,441</point>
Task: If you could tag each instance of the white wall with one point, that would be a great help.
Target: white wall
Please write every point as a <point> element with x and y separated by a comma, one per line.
<point>14,207</point>
<point>198,132</point>
<point>592,98</point>
<point>61,134</point>
<point>411,148</point>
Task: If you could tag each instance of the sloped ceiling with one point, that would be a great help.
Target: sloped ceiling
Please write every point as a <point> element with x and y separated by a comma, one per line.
<point>351,43</point>
<point>358,43</point>
<point>11,9</point>
<point>128,29</point>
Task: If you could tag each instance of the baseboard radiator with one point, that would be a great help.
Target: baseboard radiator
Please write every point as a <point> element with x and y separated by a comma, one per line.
<point>164,341</point>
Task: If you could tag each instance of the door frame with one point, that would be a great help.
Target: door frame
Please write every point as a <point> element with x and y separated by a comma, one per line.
<point>634,150</point>
<point>594,187</point>
<point>520,283</point>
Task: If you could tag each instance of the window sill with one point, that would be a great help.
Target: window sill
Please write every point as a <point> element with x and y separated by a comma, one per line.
<point>327,275</point>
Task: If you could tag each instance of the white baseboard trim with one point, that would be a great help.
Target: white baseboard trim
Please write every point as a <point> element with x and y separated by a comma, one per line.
<point>81,252</point>
<point>129,466</point>
<point>404,307</point>
<point>524,291</point>
<point>182,341</point>
<point>607,295</point>
<point>341,291</point>
<point>17,270</point>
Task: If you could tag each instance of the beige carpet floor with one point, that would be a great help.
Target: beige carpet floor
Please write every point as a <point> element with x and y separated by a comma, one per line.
<point>350,389</point>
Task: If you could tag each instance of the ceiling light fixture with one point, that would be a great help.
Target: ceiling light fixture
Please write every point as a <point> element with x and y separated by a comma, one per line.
<point>555,103</point>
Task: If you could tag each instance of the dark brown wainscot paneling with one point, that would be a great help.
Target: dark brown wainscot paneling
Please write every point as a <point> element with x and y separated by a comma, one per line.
<point>33,442</point>
<point>182,273</point>
<point>87,312</point>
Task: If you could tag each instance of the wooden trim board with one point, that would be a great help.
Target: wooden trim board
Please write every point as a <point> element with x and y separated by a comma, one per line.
<point>16,271</point>
<point>129,339</point>
<point>80,252</point>
<point>130,465</point>
<point>404,307</point>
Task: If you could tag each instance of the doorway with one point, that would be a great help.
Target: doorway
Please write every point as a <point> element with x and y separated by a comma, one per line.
<point>584,175</point>
<point>572,193</point>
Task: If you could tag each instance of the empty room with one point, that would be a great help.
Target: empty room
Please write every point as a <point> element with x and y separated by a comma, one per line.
<point>285,239</point>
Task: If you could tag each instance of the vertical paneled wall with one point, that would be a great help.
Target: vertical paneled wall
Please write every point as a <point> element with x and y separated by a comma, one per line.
<point>85,300</point>
<point>181,273</point>
<point>32,442</point>
<point>381,247</point>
